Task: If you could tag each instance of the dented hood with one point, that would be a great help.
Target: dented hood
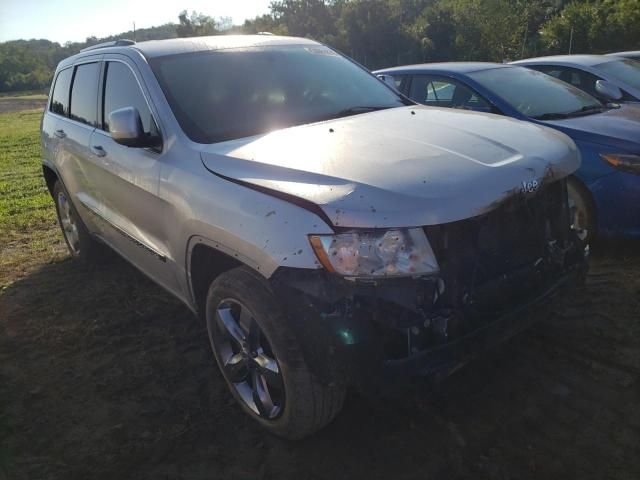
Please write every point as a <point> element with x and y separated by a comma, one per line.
<point>405,166</point>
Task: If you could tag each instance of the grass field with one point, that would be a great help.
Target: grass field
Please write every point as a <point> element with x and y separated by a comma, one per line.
<point>28,230</point>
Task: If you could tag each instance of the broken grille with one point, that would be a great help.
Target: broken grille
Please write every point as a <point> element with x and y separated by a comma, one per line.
<point>507,251</point>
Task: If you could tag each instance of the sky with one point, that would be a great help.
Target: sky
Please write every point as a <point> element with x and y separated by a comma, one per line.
<point>75,20</point>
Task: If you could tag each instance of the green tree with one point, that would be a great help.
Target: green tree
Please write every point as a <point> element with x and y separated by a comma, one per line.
<point>580,27</point>
<point>598,26</point>
<point>198,24</point>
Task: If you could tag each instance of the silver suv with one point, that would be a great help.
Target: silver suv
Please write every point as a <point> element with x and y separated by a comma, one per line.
<point>329,232</point>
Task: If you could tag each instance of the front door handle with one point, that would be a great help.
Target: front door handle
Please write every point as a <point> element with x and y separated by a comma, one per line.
<point>60,133</point>
<point>98,150</point>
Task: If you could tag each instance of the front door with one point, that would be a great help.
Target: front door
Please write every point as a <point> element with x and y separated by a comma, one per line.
<point>127,178</point>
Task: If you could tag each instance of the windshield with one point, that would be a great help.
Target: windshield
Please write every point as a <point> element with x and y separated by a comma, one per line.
<point>627,71</point>
<point>535,94</point>
<point>235,93</point>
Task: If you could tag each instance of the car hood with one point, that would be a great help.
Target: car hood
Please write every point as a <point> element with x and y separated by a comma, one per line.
<point>619,126</point>
<point>405,166</point>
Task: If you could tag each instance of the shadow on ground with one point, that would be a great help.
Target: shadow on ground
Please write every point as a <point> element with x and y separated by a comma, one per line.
<point>103,375</point>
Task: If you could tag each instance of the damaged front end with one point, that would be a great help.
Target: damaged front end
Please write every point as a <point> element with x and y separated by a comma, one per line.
<point>492,269</point>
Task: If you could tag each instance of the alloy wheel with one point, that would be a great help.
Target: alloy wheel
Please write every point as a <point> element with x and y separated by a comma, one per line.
<point>246,358</point>
<point>69,225</point>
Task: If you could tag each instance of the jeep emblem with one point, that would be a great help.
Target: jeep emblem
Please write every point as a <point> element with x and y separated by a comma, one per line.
<point>530,187</point>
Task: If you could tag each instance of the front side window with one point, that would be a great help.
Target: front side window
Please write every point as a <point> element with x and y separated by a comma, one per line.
<point>627,71</point>
<point>536,94</point>
<point>578,78</point>
<point>84,94</point>
<point>60,96</point>
<point>445,92</point>
<point>234,93</point>
<point>121,89</point>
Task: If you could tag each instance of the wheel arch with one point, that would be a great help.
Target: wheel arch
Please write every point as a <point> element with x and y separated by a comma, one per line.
<point>50,177</point>
<point>205,263</point>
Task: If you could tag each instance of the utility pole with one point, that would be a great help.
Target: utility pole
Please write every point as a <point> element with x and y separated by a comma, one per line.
<point>571,41</point>
<point>134,31</point>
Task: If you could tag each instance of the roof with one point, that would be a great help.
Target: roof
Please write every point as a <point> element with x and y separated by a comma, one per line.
<point>157,48</point>
<point>123,42</point>
<point>584,60</point>
<point>458,67</point>
<point>629,53</point>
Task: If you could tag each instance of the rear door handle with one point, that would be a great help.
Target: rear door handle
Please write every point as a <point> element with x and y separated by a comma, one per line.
<point>98,150</point>
<point>60,133</point>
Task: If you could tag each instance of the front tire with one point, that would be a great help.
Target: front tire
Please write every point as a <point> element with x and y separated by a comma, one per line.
<point>582,210</point>
<point>261,360</point>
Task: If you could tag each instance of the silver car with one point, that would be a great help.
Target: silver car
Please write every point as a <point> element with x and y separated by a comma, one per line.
<point>328,231</point>
<point>602,76</point>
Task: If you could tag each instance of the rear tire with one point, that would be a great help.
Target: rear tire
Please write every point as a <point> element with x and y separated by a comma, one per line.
<point>246,324</point>
<point>81,244</point>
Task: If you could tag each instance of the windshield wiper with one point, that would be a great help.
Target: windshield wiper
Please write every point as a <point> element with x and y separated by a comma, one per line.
<point>359,109</point>
<point>551,116</point>
<point>586,110</point>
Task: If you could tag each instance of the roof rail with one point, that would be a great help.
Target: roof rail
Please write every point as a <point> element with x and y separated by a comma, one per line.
<point>116,43</point>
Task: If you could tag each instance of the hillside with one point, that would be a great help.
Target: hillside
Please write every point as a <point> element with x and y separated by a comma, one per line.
<point>381,33</point>
<point>29,64</point>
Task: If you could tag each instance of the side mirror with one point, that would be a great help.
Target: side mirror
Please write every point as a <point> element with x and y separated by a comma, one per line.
<point>389,80</point>
<point>608,90</point>
<point>125,126</point>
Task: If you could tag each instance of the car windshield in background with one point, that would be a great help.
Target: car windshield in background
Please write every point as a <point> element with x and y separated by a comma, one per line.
<point>627,71</point>
<point>228,94</point>
<point>536,94</point>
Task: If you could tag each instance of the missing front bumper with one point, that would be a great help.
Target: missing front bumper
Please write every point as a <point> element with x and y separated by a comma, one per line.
<point>352,333</point>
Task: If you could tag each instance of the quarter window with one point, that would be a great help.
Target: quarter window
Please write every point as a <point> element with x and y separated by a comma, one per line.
<point>60,97</point>
<point>122,90</point>
<point>84,94</point>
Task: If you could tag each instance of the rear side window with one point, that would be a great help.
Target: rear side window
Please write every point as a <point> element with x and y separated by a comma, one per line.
<point>84,94</point>
<point>121,90</point>
<point>446,92</point>
<point>60,97</point>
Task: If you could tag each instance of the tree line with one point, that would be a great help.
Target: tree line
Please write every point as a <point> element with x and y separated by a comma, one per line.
<point>381,33</point>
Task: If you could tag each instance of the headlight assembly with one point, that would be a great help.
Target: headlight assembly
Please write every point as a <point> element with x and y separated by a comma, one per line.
<point>397,252</point>
<point>625,162</point>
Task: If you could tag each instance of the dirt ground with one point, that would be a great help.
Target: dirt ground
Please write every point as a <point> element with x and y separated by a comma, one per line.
<point>16,104</point>
<point>103,375</point>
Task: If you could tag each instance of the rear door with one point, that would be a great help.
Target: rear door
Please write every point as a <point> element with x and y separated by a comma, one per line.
<point>57,110</point>
<point>128,208</point>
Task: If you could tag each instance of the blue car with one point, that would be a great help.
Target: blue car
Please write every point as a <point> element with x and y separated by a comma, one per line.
<point>631,54</point>
<point>605,191</point>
